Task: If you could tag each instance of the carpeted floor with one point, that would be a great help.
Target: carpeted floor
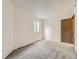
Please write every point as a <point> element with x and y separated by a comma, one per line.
<point>44,50</point>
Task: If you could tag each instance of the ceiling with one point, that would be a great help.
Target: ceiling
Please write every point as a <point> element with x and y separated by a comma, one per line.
<point>47,8</point>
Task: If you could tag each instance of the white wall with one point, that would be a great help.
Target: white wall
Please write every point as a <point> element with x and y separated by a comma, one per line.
<point>7,27</point>
<point>17,28</point>
<point>23,28</point>
<point>75,13</point>
<point>53,29</point>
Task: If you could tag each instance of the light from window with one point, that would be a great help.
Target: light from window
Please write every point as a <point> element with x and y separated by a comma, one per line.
<point>36,26</point>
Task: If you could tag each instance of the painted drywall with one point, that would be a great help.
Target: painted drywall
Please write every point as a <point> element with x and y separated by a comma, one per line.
<point>52,29</point>
<point>75,34</point>
<point>18,26</point>
<point>24,28</point>
<point>7,28</point>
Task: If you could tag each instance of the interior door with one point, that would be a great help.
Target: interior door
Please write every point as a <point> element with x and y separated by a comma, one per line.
<point>67,30</point>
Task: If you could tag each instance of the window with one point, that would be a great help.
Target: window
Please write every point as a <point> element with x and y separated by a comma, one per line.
<point>36,26</point>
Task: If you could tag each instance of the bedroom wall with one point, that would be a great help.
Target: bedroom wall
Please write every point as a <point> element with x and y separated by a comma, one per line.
<point>23,28</point>
<point>75,12</point>
<point>7,27</point>
<point>17,28</point>
<point>53,29</point>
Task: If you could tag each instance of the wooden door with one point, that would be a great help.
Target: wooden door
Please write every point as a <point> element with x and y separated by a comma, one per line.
<point>67,30</point>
